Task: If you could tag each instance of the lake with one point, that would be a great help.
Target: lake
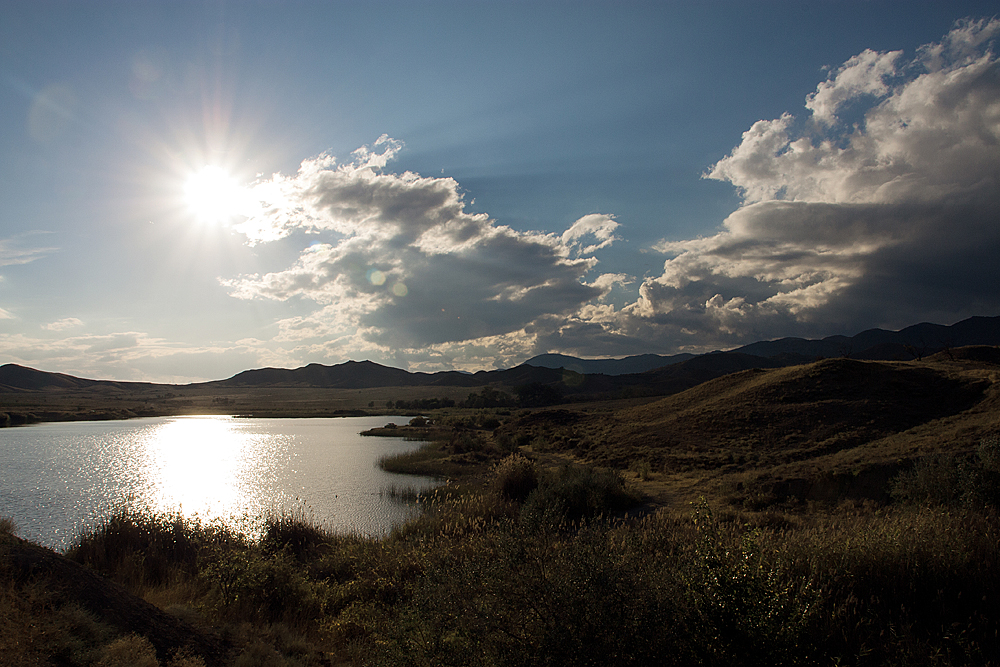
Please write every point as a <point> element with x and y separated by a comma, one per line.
<point>58,478</point>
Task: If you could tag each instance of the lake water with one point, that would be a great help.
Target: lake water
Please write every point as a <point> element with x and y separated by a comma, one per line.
<point>58,478</point>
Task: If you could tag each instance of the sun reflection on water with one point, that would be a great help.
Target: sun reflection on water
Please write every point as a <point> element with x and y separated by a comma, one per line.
<point>61,478</point>
<point>205,466</point>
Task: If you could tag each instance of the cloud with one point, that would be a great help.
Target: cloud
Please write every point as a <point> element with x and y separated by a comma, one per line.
<point>5,315</point>
<point>12,254</point>
<point>137,356</point>
<point>874,205</point>
<point>63,324</point>
<point>403,265</point>
<point>877,207</point>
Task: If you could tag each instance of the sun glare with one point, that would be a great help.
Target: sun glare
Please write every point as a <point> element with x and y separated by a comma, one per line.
<point>213,195</point>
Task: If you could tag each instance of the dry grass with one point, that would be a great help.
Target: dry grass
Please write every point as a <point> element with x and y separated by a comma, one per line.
<point>817,431</point>
<point>477,580</point>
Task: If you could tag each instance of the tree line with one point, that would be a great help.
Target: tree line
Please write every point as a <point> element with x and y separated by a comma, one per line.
<point>531,395</point>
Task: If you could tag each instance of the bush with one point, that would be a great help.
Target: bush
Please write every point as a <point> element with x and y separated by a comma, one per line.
<point>260,587</point>
<point>294,534</point>
<point>138,547</point>
<point>515,477</point>
<point>950,480</point>
<point>130,651</point>
<point>742,604</point>
<point>537,598</point>
<point>577,492</point>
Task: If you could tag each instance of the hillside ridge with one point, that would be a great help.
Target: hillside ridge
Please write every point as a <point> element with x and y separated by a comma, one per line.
<point>676,373</point>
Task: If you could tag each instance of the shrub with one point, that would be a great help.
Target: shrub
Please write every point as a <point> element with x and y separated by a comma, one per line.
<point>258,587</point>
<point>292,533</point>
<point>138,547</point>
<point>742,604</point>
<point>934,480</point>
<point>642,469</point>
<point>953,480</point>
<point>577,492</point>
<point>539,598</point>
<point>130,651</point>
<point>463,442</point>
<point>489,422</point>
<point>515,477</point>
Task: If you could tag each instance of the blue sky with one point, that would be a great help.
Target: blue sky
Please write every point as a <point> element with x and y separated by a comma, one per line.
<point>438,185</point>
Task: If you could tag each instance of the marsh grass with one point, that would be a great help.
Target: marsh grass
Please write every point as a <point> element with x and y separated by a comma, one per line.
<point>429,460</point>
<point>402,493</point>
<point>141,548</point>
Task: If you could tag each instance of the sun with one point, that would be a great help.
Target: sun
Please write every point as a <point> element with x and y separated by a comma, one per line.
<point>214,196</point>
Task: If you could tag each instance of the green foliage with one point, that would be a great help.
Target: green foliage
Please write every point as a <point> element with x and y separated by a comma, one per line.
<point>742,605</point>
<point>263,587</point>
<point>488,422</point>
<point>423,404</point>
<point>511,442</point>
<point>463,442</point>
<point>533,598</point>
<point>489,398</point>
<point>537,394</point>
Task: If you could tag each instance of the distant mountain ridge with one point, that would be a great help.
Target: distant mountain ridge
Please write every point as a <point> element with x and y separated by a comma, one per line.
<point>871,345</point>
<point>22,378</point>
<point>881,345</point>
<point>635,364</point>
<point>648,373</point>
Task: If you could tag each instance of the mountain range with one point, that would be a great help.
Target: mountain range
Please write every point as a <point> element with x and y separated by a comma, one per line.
<point>647,374</point>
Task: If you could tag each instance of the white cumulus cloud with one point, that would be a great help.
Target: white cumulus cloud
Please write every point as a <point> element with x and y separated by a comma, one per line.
<point>850,221</point>
<point>402,264</point>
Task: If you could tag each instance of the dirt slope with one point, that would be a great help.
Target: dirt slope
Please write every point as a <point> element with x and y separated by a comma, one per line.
<point>107,601</point>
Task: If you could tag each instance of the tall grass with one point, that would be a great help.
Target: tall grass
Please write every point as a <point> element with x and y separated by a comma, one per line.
<point>142,548</point>
<point>894,587</point>
<point>475,580</point>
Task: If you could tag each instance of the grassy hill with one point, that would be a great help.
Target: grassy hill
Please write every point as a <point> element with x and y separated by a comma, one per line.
<point>816,431</point>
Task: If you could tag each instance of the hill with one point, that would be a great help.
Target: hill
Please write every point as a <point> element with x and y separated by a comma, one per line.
<point>912,342</point>
<point>19,378</point>
<point>316,390</point>
<point>828,429</point>
<point>625,366</point>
